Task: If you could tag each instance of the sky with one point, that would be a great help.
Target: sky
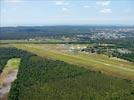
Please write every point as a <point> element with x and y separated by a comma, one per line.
<point>66,12</point>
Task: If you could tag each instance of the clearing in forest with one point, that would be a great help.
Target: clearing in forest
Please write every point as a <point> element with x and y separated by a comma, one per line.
<point>98,62</point>
<point>8,76</point>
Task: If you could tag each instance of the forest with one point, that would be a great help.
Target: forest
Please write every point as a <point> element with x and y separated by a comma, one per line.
<point>25,32</point>
<point>46,79</point>
<point>7,53</point>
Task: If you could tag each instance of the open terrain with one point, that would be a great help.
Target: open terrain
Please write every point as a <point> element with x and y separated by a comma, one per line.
<point>112,66</point>
<point>8,76</point>
<point>44,78</point>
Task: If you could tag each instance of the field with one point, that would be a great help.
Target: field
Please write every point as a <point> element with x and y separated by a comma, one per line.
<point>7,76</point>
<point>112,66</point>
<point>11,65</point>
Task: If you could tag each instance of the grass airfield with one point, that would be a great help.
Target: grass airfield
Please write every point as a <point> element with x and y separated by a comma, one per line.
<point>111,66</point>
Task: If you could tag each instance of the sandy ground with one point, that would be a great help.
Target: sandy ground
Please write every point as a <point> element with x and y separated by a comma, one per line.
<point>5,88</point>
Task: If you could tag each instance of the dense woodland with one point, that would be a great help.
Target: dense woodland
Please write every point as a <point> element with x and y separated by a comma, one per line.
<point>45,79</point>
<point>8,53</point>
<point>32,32</point>
<point>21,32</point>
<point>127,43</point>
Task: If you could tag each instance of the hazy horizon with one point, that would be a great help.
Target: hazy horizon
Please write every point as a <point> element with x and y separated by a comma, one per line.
<point>120,25</point>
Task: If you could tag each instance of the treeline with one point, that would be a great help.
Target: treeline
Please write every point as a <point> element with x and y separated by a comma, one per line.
<point>119,43</point>
<point>21,32</point>
<point>45,79</point>
<point>44,31</point>
<point>129,56</point>
<point>126,43</point>
<point>7,53</point>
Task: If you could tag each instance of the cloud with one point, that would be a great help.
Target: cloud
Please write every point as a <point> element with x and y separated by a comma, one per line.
<point>13,1</point>
<point>106,10</point>
<point>103,3</point>
<point>61,2</point>
<point>86,6</point>
<point>104,6</point>
<point>128,10</point>
<point>65,9</point>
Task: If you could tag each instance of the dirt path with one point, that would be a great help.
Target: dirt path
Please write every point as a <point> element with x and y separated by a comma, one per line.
<point>5,87</point>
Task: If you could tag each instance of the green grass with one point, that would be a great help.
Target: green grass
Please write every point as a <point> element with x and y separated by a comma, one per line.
<point>96,62</point>
<point>13,63</point>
